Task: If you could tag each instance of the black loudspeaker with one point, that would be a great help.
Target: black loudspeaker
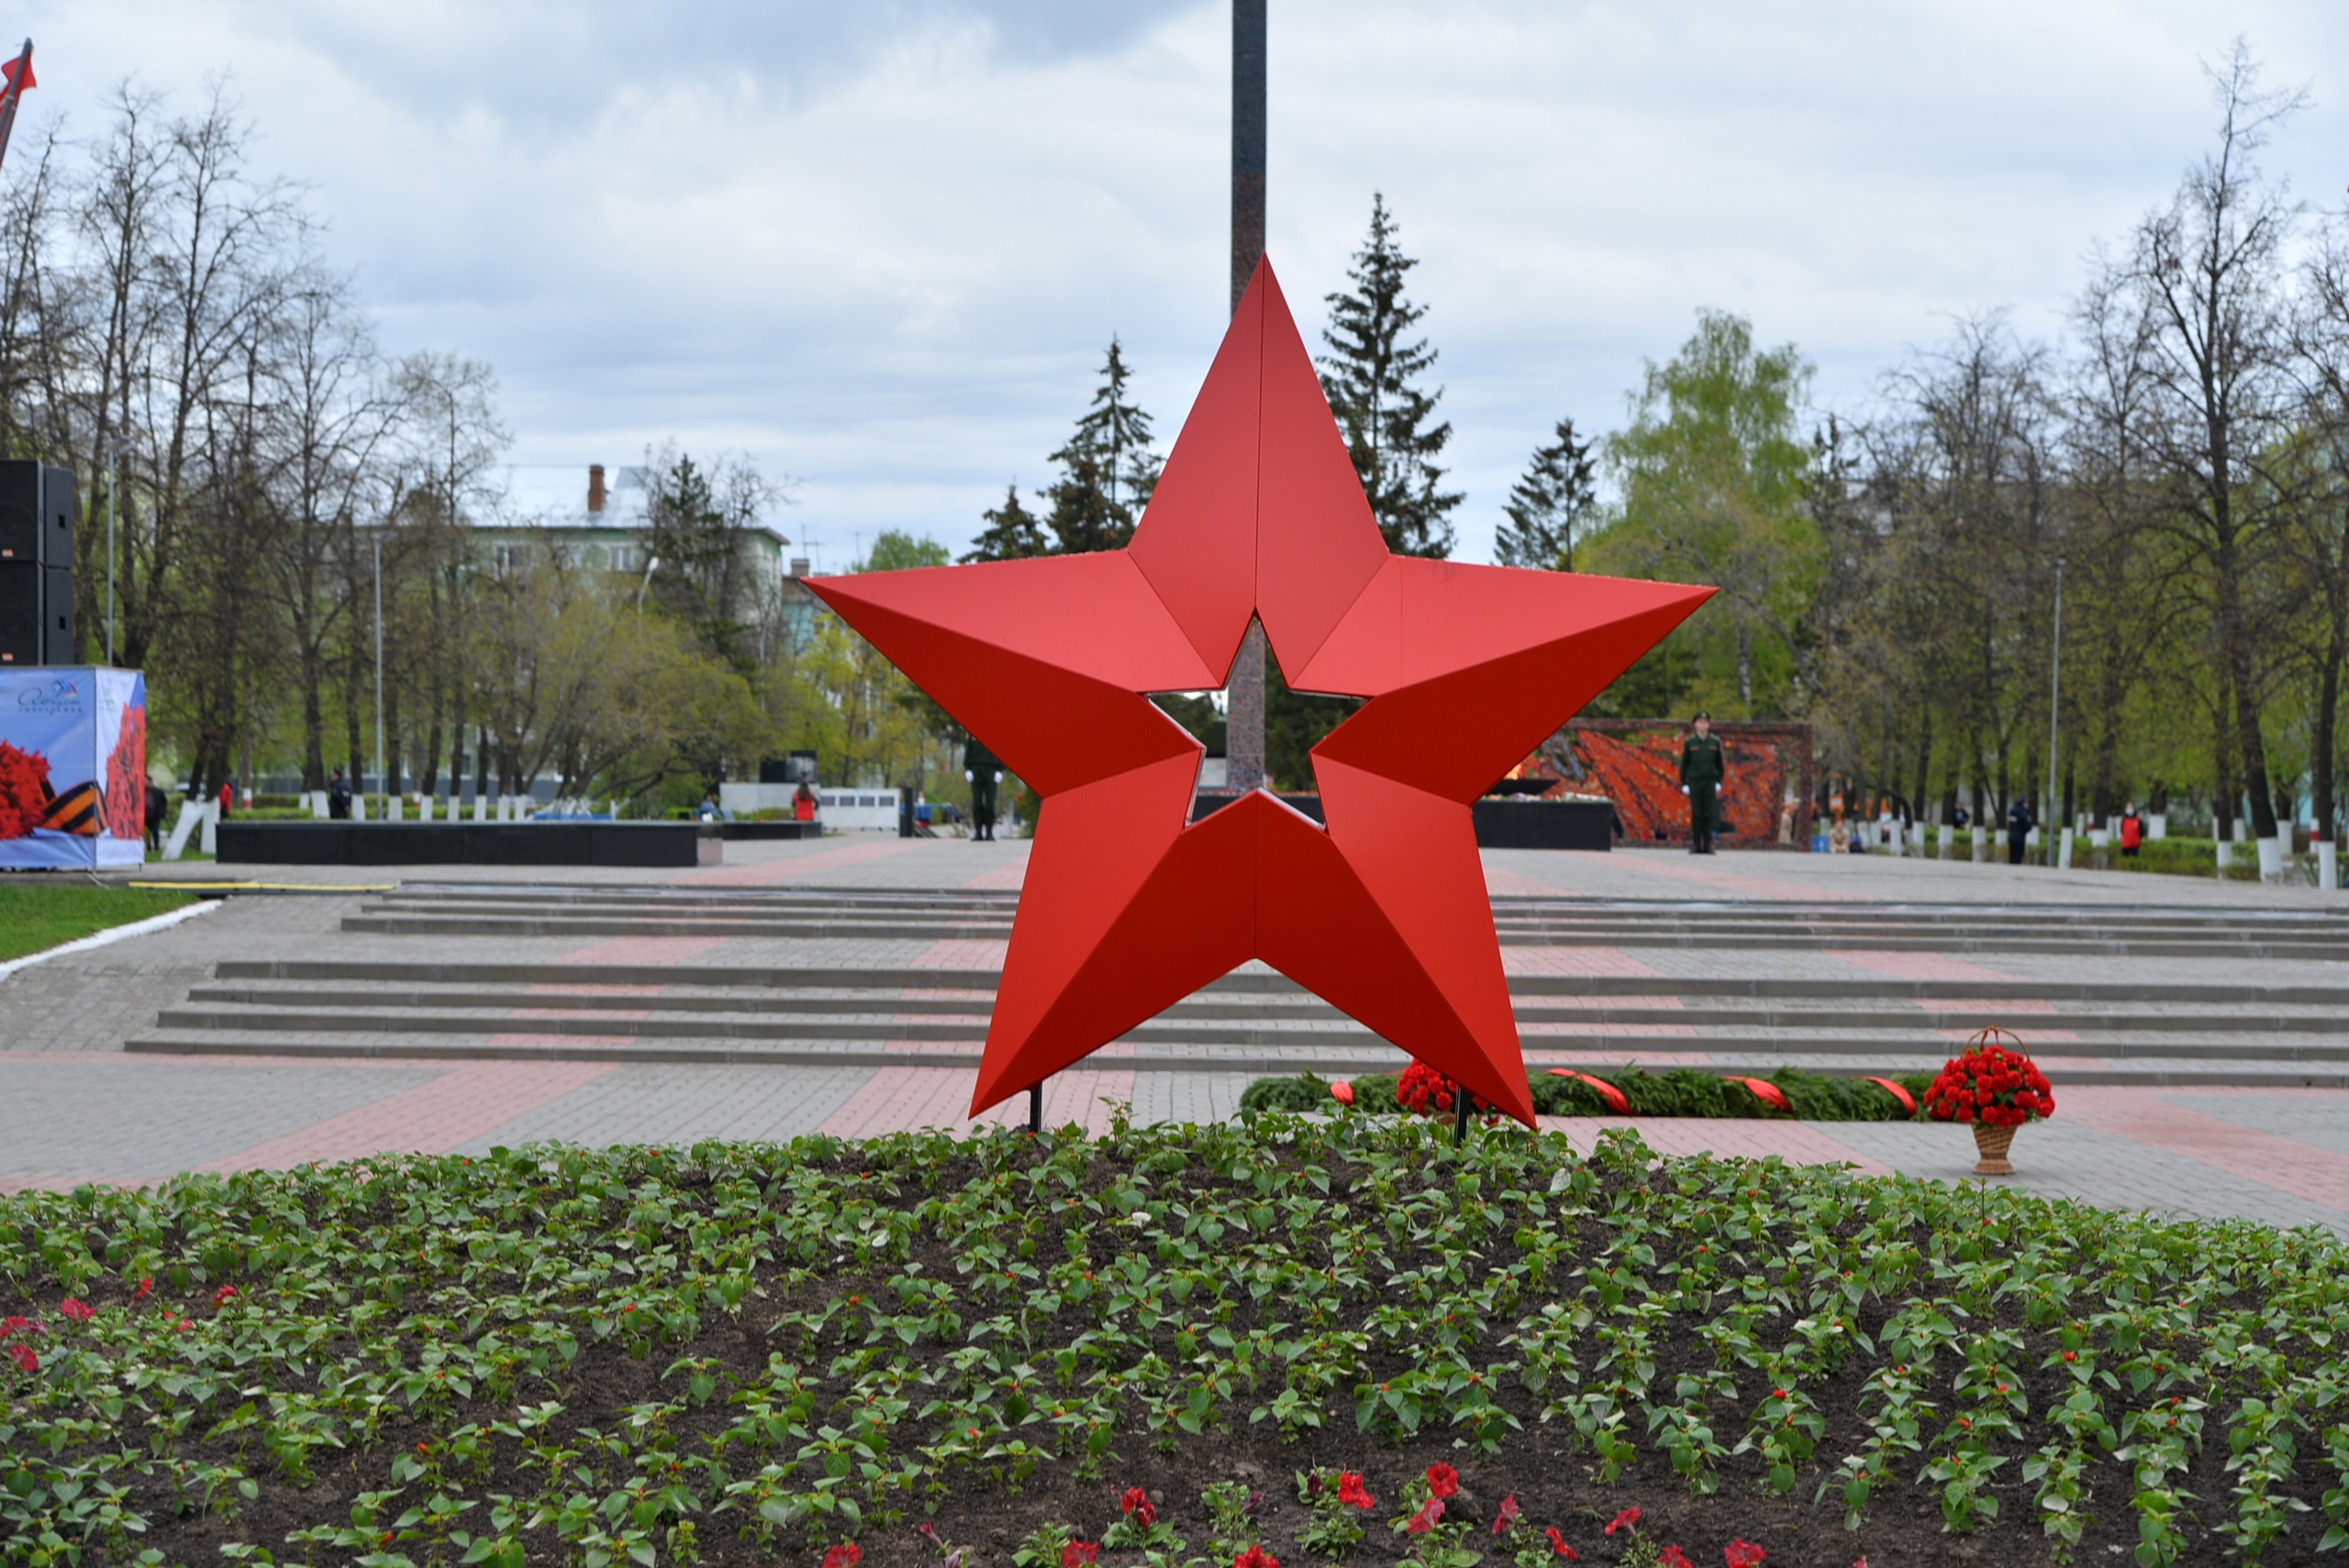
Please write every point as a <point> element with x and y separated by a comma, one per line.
<point>57,617</point>
<point>21,596</point>
<point>61,509</point>
<point>20,511</point>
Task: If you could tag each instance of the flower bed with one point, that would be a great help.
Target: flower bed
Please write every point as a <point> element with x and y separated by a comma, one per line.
<point>1683,1090</point>
<point>1280,1341</point>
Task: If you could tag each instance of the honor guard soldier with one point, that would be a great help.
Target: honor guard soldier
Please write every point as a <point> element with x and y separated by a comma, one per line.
<point>1702,771</point>
<point>979,766</point>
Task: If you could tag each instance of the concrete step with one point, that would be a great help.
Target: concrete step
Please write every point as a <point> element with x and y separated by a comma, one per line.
<point>760,977</point>
<point>2203,1071</point>
<point>1299,1007</point>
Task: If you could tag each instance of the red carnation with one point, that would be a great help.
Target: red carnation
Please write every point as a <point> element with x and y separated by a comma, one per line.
<point>1506,1515</point>
<point>1743,1554</point>
<point>1558,1545</point>
<point>23,1356</point>
<point>1673,1557</point>
<point>76,1311</point>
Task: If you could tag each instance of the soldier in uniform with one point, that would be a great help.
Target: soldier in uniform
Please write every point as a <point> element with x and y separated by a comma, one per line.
<point>1701,774</point>
<point>979,766</point>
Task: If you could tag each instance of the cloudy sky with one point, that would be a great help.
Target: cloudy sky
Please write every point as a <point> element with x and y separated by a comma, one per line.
<point>879,246</point>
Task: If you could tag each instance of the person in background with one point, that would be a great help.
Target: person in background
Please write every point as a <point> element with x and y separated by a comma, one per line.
<point>1702,773</point>
<point>1839,838</point>
<point>2133,830</point>
<point>803,802</point>
<point>980,767</point>
<point>338,796</point>
<point>2020,822</point>
<point>227,798</point>
<point>159,805</point>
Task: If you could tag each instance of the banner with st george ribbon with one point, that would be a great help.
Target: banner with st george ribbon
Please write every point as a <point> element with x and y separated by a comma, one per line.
<point>72,767</point>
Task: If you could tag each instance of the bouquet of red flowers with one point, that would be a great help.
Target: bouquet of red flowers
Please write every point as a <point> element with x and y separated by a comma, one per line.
<point>1423,1091</point>
<point>1991,1085</point>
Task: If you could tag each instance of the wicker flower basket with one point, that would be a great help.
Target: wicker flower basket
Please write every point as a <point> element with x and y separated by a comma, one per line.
<point>1994,1079</point>
<point>1992,1143</point>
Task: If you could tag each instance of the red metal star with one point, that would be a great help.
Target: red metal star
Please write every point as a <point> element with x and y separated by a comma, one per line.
<point>1127,908</point>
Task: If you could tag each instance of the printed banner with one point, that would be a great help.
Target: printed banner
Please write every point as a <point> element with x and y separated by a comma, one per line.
<point>72,767</point>
<point>1635,764</point>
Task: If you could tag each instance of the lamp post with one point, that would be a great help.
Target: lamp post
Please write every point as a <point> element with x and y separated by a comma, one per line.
<point>382,784</point>
<point>2056,696</point>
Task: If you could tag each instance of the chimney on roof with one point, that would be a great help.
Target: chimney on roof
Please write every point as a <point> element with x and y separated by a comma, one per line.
<point>595,487</point>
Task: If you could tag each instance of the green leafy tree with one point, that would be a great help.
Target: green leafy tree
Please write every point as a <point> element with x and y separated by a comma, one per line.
<point>1372,377</point>
<point>896,551</point>
<point>1714,479</point>
<point>1554,498</point>
<point>1011,532</point>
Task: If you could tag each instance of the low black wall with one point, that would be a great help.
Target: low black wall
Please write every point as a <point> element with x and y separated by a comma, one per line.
<point>770,829</point>
<point>463,843</point>
<point>1501,824</point>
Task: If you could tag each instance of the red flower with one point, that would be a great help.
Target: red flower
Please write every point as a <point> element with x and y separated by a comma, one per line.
<point>1628,1519</point>
<point>16,1325</point>
<point>24,791</point>
<point>23,1356</point>
<point>1506,1515</point>
<point>224,1294</point>
<point>1135,1504</point>
<point>1255,1557</point>
<point>1080,1554</point>
<point>76,1311</point>
<point>146,1288</point>
<point>1342,1092</point>
<point>845,1555</point>
<point>1558,1545</point>
<point>1424,1520</point>
<point>1743,1554</point>
<point>1443,1481</point>
<point>1352,1493</point>
<point>1673,1557</point>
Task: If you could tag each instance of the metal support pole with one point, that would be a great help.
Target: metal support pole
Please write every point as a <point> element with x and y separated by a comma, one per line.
<point>1036,1108</point>
<point>2054,711</point>
<point>382,784</point>
<point>113,472</point>
<point>1243,718</point>
<point>1460,1116</point>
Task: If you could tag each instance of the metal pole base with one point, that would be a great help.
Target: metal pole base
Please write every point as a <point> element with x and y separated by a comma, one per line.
<point>1036,1108</point>
<point>1460,1117</point>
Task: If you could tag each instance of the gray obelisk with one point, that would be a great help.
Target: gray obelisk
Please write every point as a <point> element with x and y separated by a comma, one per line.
<point>1245,716</point>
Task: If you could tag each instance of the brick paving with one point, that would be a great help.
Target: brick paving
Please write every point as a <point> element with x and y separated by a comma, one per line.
<point>73,1108</point>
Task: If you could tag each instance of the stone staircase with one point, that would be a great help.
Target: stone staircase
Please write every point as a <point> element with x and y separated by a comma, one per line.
<point>2197,1027</point>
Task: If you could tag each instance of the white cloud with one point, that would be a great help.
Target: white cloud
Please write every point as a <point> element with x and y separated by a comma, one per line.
<point>881,247</point>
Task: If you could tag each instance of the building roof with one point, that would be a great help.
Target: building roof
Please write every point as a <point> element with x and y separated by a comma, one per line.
<point>555,495</point>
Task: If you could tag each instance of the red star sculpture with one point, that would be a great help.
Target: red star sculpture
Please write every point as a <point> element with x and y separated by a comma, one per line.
<point>1129,906</point>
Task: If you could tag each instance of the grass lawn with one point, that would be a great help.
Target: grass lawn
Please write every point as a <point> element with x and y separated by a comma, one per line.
<point>34,916</point>
<point>1338,1340</point>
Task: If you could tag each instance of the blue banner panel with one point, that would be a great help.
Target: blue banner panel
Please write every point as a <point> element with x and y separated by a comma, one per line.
<point>73,767</point>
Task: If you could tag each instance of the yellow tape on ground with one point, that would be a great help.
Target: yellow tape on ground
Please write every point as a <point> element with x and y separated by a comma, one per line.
<point>270,886</point>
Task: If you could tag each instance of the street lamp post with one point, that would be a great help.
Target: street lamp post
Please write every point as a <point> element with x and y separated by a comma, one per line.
<point>382,784</point>
<point>2054,704</point>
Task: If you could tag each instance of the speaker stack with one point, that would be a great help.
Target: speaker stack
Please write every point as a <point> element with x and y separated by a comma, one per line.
<point>37,506</point>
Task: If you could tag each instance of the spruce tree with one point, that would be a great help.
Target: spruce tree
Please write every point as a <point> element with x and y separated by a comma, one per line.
<point>1107,470</point>
<point>1371,377</point>
<point>1011,532</point>
<point>1547,504</point>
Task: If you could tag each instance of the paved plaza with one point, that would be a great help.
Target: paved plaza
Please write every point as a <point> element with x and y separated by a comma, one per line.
<point>511,1048</point>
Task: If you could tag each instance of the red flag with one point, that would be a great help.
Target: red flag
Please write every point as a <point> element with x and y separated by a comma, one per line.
<point>17,76</point>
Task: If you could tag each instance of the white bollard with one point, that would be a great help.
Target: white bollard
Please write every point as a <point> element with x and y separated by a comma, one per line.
<point>2226,855</point>
<point>210,842</point>
<point>1944,836</point>
<point>2328,865</point>
<point>480,808</point>
<point>2064,850</point>
<point>2156,825</point>
<point>2271,858</point>
<point>1981,842</point>
<point>391,808</point>
<point>317,799</point>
